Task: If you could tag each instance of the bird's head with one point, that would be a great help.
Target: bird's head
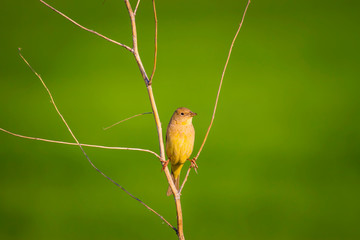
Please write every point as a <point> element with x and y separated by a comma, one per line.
<point>183,116</point>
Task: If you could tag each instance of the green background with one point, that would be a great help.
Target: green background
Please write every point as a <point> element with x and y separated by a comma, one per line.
<point>282,159</point>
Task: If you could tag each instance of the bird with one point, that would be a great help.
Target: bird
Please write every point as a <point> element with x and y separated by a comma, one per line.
<point>180,138</point>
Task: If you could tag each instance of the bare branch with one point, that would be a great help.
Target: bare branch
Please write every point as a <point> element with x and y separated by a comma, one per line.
<point>155,50</point>
<point>218,93</point>
<point>185,179</point>
<point>155,111</point>
<point>221,81</point>
<point>136,8</point>
<point>127,119</point>
<point>78,143</point>
<point>156,117</point>
<point>82,144</point>
<point>180,225</point>
<point>89,30</point>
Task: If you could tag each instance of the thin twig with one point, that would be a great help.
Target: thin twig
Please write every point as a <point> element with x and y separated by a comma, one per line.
<point>127,119</point>
<point>135,42</point>
<point>78,143</point>
<point>155,50</point>
<point>185,179</point>
<point>82,144</point>
<point>221,81</point>
<point>89,30</point>
<point>218,93</point>
<point>136,8</point>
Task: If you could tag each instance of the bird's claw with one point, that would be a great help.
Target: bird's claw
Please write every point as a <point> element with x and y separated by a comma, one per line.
<point>193,164</point>
<point>165,163</point>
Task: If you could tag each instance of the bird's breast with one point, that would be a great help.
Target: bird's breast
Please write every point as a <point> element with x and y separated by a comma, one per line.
<point>179,142</point>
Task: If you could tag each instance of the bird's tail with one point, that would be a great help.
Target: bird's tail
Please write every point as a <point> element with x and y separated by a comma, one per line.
<point>177,184</point>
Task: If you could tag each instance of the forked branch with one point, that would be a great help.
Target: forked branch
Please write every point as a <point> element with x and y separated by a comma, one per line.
<point>136,54</point>
<point>80,145</point>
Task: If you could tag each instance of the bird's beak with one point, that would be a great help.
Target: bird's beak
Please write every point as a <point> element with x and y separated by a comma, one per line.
<point>193,114</point>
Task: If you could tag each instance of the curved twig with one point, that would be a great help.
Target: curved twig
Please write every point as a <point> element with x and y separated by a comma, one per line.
<point>89,30</point>
<point>221,81</point>
<point>106,128</point>
<point>185,179</point>
<point>218,93</point>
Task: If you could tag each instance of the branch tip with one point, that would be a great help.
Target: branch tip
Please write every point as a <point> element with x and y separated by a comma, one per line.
<point>106,128</point>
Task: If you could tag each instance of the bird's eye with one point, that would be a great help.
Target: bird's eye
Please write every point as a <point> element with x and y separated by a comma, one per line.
<point>182,113</point>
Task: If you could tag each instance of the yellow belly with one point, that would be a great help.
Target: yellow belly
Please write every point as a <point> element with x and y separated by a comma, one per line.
<point>179,146</point>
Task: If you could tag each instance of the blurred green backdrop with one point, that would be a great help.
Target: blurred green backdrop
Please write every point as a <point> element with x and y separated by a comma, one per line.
<point>282,160</point>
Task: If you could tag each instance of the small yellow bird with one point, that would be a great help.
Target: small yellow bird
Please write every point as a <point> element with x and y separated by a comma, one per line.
<point>180,137</point>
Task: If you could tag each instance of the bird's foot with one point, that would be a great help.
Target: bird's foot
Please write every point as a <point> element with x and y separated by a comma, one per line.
<point>165,163</point>
<point>193,164</point>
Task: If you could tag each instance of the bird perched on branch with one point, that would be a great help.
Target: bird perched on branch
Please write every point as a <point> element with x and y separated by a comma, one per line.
<point>180,137</point>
